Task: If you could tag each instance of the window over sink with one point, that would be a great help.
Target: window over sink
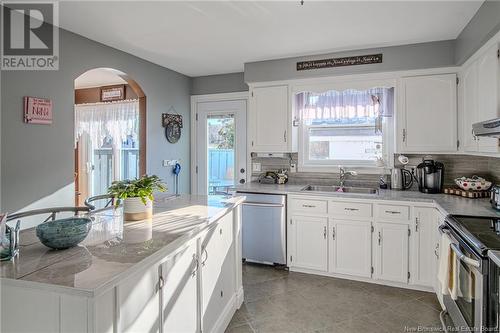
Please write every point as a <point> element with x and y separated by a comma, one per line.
<point>345,127</point>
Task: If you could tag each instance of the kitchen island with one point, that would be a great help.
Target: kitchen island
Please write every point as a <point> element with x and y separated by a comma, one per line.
<point>177,272</point>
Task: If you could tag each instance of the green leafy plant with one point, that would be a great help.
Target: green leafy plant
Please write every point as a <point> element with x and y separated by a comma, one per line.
<point>143,188</point>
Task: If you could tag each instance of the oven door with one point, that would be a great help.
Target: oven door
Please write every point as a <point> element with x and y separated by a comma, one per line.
<point>467,310</point>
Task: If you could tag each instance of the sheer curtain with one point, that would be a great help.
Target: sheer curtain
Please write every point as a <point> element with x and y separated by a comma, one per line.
<point>336,106</point>
<point>115,120</point>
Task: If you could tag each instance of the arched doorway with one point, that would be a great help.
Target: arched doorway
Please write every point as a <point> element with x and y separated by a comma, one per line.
<point>110,131</point>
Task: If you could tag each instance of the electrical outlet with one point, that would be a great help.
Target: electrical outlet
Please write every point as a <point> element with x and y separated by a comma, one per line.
<point>257,167</point>
<point>293,168</point>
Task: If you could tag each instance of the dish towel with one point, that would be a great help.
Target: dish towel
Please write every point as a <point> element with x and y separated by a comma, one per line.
<point>454,277</point>
<point>445,264</point>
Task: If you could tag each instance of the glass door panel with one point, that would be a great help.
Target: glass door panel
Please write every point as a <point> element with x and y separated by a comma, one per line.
<point>221,173</point>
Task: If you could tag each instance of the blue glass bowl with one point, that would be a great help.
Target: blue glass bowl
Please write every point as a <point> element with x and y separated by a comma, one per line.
<point>64,233</point>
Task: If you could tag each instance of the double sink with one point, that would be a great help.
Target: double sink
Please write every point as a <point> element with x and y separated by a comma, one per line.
<point>340,189</point>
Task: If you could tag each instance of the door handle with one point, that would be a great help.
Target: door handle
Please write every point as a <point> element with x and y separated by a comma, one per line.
<point>379,238</point>
<point>333,232</point>
<point>324,232</point>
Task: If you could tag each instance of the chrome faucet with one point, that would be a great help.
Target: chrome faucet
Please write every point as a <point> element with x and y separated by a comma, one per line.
<point>343,173</point>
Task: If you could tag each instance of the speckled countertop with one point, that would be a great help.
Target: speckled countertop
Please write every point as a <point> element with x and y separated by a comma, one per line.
<point>114,249</point>
<point>447,204</point>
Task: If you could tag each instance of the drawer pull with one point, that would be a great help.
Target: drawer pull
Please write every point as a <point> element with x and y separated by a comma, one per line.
<point>351,209</point>
<point>392,212</point>
<point>308,206</point>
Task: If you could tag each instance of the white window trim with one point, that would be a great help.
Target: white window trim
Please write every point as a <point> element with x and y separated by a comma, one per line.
<point>388,131</point>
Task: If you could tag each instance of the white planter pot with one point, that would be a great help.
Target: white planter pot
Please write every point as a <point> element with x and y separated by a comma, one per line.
<point>134,209</point>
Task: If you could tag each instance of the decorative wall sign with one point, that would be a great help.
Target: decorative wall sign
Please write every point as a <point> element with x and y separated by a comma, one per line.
<point>173,125</point>
<point>37,110</point>
<point>115,93</point>
<point>340,62</point>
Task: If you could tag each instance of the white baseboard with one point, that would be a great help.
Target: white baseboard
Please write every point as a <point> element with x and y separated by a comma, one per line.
<point>362,279</point>
<point>229,310</point>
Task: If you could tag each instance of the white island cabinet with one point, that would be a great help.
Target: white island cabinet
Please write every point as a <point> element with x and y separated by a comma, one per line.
<point>184,276</point>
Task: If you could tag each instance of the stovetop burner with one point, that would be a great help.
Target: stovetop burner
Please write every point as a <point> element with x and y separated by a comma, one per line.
<point>485,229</point>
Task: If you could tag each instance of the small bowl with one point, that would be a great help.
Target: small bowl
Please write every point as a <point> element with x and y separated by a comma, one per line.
<point>64,233</point>
<point>474,183</point>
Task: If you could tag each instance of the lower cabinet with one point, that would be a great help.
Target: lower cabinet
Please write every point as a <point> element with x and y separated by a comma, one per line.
<point>218,279</point>
<point>350,247</point>
<point>390,248</point>
<point>308,242</point>
<point>423,239</point>
<point>391,242</point>
<point>179,292</point>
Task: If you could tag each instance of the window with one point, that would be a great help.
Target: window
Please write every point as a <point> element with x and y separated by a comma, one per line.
<point>349,127</point>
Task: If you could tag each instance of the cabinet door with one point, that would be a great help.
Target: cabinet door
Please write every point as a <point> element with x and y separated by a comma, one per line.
<point>139,302</point>
<point>391,251</point>
<point>218,277</point>
<point>351,247</point>
<point>179,293</point>
<point>488,94</point>
<point>429,113</point>
<point>423,246</point>
<point>269,119</point>
<point>309,242</point>
<point>468,90</point>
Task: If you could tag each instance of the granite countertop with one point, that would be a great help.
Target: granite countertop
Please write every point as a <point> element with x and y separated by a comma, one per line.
<point>114,249</point>
<point>448,204</point>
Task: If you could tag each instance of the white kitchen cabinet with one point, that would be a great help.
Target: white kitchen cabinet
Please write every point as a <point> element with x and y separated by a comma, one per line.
<point>480,98</point>
<point>468,89</point>
<point>308,242</point>
<point>179,293</point>
<point>217,271</point>
<point>488,94</point>
<point>139,302</point>
<point>428,114</point>
<point>350,247</point>
<point>390,247</point>
<point>423,245</point>
<point>270,119</point>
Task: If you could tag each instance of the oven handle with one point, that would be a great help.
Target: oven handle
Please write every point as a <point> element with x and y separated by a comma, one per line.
<point>460,255</point>
<point>261,204</point>
<point>463,257</point>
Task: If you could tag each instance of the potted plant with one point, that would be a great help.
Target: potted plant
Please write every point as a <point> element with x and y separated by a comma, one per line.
<point>137,196</point>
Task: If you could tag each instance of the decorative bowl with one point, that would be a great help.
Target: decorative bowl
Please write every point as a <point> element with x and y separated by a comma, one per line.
<point>64,233</point>
<point>475,183</point>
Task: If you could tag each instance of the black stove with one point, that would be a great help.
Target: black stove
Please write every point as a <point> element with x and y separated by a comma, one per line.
<point>482,233</point>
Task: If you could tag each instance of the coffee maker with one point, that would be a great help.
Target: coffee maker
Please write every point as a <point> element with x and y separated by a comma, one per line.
<point>430,176</point>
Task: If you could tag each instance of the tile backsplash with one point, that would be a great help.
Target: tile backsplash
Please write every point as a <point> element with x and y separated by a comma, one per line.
<point>455,166</point>
<point>460,165</point>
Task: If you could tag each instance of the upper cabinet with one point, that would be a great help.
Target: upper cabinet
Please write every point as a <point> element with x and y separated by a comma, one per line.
<point>480,99</point>
<point>428,114</point>
<point>270,123</point>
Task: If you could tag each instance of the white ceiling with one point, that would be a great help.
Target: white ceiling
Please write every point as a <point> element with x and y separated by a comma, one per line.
<point>98,77</point>
<point>214,37</point>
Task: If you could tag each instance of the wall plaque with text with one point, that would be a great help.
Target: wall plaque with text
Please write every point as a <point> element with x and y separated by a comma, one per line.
<point>340,62</point>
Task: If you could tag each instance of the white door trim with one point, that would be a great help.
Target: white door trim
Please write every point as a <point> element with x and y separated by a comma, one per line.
<point>195,99</point>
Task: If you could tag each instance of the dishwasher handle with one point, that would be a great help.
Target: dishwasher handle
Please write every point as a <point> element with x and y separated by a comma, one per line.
<point>262,204</point>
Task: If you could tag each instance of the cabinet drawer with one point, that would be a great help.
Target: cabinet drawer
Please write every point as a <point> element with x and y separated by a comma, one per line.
<point>356,209</point>
<point>309,206</point>
<point>393,212</point>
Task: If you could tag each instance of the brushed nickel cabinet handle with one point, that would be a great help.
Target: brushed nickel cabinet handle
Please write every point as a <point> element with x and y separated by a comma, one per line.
<point>308,206</point>
<point>392,212</point>
<point>351,209</point>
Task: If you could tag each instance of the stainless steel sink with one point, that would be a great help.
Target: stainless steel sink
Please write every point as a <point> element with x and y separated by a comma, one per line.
<point>338,189</point>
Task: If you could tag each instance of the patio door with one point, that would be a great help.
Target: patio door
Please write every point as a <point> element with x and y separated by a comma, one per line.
<point>220,146</point>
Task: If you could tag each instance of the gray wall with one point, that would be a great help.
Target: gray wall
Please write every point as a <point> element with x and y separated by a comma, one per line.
<point>484,25</point>
<point>405,57</point>
<point>38,160</point>
<point>214,84</point>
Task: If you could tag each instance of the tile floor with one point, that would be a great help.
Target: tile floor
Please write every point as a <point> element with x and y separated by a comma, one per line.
<point>282,301</point>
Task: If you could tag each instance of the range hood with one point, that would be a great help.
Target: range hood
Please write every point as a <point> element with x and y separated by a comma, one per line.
<point>487,128</point>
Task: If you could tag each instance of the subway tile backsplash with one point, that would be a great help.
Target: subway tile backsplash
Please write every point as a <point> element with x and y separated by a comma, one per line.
<point>460,165</point>
<point>455,166</point>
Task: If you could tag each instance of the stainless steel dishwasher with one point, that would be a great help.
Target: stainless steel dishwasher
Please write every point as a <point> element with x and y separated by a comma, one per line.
<point>264,228</point>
